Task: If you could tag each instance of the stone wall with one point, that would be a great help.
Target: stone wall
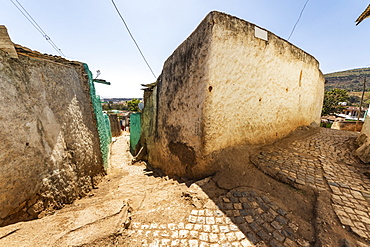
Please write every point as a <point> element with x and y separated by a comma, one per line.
<point>50,152</point>
<point>349,126</point>
<point>230,83</point>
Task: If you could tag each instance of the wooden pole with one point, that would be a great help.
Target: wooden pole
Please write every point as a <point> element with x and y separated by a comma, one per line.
<point>362,99</point>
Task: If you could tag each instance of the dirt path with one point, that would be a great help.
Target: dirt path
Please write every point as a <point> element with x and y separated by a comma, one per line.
<point>127,190</point>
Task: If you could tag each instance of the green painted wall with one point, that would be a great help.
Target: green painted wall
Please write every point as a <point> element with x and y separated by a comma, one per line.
<point>135,131</point>
<point>102,120</point>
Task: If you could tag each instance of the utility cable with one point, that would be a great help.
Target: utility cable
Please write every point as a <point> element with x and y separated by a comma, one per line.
<point>132,37</point>
<point>37,26</point>
<point>299,18</point>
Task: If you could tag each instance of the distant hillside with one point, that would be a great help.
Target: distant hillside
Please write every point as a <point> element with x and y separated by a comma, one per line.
<point>351,80</point>
<point>117,100</point>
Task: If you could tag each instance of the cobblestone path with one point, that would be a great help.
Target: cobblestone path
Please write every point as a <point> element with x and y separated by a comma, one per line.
<point>325,161</point>
<point>240,218</point>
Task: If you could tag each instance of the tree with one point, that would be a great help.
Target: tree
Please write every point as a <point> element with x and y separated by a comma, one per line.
<point>332,99</point>
<point>133,105</point>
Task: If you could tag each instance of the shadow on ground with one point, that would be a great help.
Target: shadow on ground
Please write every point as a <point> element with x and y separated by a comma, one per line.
<point>305,190</point>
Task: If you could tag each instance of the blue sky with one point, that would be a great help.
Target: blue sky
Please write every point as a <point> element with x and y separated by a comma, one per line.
<point>91,31</point>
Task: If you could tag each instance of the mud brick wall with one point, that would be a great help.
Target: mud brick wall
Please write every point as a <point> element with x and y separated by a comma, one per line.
<point>230,83</point>
<point>50,152</point>
<point>115,126</point>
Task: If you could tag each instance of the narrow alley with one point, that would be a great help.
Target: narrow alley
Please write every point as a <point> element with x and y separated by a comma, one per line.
<point>222,144</point>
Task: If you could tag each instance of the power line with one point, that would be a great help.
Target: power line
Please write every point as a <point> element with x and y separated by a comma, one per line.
<point>37,26</point>
<point>132,37</point>
<point>299,18</point>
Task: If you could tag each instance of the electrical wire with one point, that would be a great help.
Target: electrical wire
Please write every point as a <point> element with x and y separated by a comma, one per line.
<point>132,37</point>
<point>37,26</point>
<point>299,18</point>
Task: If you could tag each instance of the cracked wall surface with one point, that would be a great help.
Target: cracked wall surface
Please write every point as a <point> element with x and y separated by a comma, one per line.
<point>50,152</point>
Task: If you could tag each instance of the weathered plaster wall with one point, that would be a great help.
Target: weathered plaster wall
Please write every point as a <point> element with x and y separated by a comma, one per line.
<point>50,152</point>
<point>223,87</point>
<point>180,99</point>
<point>261,90</point>
<point>114,125</point>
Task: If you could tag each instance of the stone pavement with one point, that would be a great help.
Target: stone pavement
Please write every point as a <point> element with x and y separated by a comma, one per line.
<point>240,218</point>
<point>324,161</point>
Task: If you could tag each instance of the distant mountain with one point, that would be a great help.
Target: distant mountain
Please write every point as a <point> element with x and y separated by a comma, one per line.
<point>351,80</point>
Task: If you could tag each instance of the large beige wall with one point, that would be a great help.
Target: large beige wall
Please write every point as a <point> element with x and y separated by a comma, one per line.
<point>50,152</point>
<point>261,90</point>
<point>223,87</point>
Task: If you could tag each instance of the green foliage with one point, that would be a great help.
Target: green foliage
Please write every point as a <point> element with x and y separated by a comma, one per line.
<point>354,99</point>
<point>366,103</point>
<point>331,100</point>
<point>326,125</point>
<point>117,106</point>
<point>133,105</point>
